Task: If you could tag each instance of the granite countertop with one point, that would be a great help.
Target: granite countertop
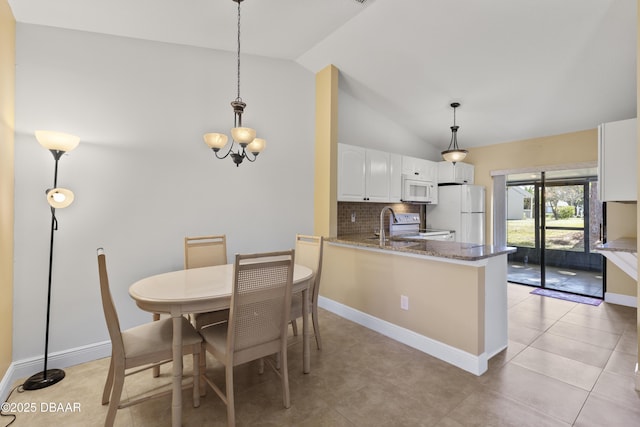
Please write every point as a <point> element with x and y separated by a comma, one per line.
<point>625,244</point>
<point>435,248</point>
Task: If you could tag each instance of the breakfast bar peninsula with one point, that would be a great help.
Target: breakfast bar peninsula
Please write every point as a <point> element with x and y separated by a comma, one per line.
<point>447,299</point>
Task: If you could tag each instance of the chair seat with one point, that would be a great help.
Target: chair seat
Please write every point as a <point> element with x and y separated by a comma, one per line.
<point>155,337</point>
<point>200,320</point>
<point>216,337</point>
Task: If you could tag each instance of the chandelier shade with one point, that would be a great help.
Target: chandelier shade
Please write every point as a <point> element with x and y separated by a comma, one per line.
<point>243,135</point>
<point>256,146</point>
<point>215,140</point>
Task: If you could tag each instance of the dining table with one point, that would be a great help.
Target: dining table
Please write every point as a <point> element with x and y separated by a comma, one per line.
<point>200,290</point>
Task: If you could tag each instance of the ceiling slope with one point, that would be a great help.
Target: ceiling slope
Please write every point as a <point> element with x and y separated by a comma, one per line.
<point>520,68</point>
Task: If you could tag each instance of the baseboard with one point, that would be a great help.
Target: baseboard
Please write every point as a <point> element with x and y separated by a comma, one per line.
<point>620,299</point>
<point>476,365</point>
<point>60,360</point>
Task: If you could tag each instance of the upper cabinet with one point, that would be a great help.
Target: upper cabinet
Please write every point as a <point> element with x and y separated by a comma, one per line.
<point>376,176</point>
<point>617,161</point>
<point>424,170</point>
<point>366,175</point>
<point>458,173</point>
<point>351,173</point>
<point>395,178</point>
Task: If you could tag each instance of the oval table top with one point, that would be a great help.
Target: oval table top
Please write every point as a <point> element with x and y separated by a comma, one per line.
<point>196,290</point>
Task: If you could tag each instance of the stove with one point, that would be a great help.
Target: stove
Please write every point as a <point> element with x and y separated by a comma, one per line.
<point>408,225</point>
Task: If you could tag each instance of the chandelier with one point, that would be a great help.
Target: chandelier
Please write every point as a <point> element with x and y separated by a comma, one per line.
<point>243,136</point>
<point>454,154</point>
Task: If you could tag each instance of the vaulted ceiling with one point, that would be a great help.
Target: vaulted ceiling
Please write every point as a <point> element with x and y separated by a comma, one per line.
<point>520,68</point>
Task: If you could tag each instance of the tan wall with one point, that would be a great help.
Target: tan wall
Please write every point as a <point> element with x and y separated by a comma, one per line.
<point>326,153</point>
<point>576,147</point>
<point>7,101</point>
<point>638,180</point>
<point>565,149</point>
<point>621,222</point>
<point>446,301</point>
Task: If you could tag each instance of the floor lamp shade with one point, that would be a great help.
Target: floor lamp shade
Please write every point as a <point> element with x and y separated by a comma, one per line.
<point>59,198</point>
<point>59,141</point>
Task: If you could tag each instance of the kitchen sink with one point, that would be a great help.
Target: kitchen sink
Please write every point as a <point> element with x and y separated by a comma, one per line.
<point>395,243</point>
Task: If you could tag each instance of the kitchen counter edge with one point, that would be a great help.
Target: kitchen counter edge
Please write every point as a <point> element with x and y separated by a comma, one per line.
<point>434,248</point>
<point>624,244</point>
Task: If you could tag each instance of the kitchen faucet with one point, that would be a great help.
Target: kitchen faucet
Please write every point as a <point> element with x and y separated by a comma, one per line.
<point>393,215</point>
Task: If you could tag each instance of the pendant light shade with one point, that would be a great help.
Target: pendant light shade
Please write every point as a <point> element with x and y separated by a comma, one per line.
<point>453,153</point>
<point>454,156</point>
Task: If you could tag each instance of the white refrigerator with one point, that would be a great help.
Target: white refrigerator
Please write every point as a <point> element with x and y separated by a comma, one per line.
<point>460,208</point>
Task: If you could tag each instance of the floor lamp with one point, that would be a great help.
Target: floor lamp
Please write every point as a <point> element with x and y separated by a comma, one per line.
<point>58,143</point>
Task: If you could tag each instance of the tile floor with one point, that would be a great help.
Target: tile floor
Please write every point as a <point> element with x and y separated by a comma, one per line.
<point>567,364</point>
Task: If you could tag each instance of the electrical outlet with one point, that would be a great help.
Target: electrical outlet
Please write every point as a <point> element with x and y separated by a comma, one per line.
<point>404,302</point>
<point>353,217</point>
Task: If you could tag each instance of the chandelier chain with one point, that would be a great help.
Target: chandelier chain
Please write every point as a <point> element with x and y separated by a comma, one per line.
<point>238,98</point>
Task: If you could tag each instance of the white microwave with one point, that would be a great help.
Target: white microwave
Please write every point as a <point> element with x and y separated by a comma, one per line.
<point>418,191</point>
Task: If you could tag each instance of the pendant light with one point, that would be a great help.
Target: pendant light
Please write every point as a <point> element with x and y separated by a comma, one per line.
<point>243,136</point>
<point>454,154</point>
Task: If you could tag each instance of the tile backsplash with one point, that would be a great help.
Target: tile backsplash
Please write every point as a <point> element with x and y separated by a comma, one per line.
<point>367,216</point>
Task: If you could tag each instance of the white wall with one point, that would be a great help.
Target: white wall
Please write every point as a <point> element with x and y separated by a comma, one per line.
<point>142,175</point>
<point>361,125</point>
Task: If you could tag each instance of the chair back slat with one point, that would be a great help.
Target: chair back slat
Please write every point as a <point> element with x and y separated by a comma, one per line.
<point>205,251</point>
<point>109,308</point>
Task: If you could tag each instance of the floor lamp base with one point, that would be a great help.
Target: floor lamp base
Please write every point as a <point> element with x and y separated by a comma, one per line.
<point>39,380</point>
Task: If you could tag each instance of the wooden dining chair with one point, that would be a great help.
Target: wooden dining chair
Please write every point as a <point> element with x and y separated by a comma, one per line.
<point>309,254</point>
<point>258,321</point>
<point>142,347</point>
<point>205,251</point>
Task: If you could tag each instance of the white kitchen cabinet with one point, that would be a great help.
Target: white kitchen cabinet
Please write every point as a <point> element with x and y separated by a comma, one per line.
<point>425,170</point>
<point>351,173</point>
<point>376,176</point>
<point>395,178</point>
<point>458,173</point>
<point>617,161</point>
<point>366,175</point>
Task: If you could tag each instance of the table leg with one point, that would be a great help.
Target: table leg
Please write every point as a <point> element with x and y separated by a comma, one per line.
<point>306,358</point>
<point>176,402</point>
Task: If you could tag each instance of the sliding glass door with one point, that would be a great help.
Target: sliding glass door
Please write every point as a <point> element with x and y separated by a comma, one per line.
<point>554,219</point>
